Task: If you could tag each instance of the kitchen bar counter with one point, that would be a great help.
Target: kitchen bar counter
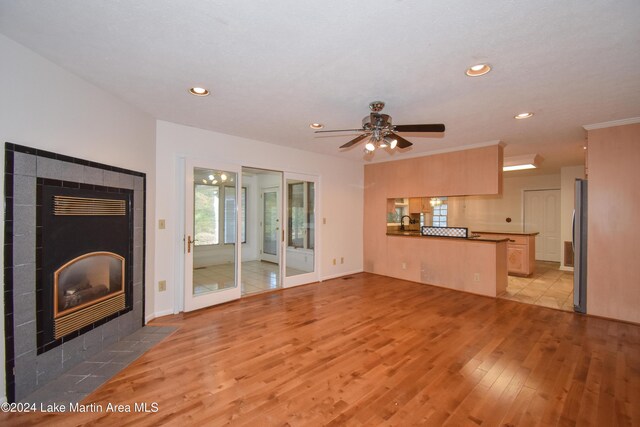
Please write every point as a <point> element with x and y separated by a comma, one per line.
<point>476,265</point>
<point>515,233</point>
<point>417,234</point>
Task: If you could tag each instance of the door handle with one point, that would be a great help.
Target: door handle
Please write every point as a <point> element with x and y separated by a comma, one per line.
<point>189,242</point>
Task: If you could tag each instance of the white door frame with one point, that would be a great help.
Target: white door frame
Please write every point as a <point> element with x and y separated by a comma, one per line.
<point>270,257</point>
<point>313,276</point>
<point>192,302</point>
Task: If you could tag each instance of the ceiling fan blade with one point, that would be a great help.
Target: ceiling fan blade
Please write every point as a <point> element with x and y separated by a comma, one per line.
<point>420,128</point>
<point>402,143</point>
<point>354,141</point>
<point>339,130</point>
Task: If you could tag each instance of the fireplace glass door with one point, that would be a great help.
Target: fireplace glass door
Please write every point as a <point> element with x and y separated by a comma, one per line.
<point>212,231</point>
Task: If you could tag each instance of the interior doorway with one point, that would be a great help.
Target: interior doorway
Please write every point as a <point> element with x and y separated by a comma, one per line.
<point>260,266</point>
<point>542,215</point>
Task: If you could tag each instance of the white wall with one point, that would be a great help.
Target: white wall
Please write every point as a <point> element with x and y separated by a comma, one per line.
<point>568,176</point>
<point>341,196</point>
<point>44,106</point>
<point>489,213</point>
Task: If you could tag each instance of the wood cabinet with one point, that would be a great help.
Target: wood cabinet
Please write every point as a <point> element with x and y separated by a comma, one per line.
<point>521,251</point>
<point>415,205</point>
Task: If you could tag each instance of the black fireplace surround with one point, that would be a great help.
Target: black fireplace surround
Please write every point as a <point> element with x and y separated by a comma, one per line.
<point>40,247</point>
<point>68,237</point>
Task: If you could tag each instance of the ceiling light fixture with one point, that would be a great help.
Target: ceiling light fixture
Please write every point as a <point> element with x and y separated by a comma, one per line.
<point>478,70</point>
<point>223,177</point>
<point>316,125</point>
<point>211,177</point>
<point>370,146</point>
<point>215,181</point>
<point>523,115</point>
<point>198,91</point>
<point>204,181</point>
<point>391,141</point>
<point>526,161</point>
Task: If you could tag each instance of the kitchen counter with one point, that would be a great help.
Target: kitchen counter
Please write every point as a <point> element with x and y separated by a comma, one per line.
<point>417,234</point>
<point>521,250</point>
<point>515,233</point>
<point>476,265</point>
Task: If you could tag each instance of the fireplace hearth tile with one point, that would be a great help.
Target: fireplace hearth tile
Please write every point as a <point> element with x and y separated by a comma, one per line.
<point>24,164</point>
<point>93,176</point>
<point>49,365</point>
<point>75,384</point>
<point>27,382</point>
<point>109,333</point>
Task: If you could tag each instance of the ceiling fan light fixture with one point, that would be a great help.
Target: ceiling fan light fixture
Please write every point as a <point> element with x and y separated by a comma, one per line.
<point>316,125</point>
<point>391,141</point>
<point>523,115</point>
<point>223,177</point>
<point>198,91</point>
<point>478,70</point>
<point>370,146</point>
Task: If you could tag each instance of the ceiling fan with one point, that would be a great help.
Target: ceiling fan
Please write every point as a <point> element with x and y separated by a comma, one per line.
<point>381,132</point>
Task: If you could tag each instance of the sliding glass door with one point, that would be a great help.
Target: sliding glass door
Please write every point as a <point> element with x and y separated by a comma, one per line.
<point>299,237</point>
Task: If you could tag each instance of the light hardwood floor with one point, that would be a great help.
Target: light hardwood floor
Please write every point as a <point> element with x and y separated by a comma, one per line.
<point>373,350</point>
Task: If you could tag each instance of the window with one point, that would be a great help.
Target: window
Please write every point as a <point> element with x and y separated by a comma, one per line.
<point>210,216</point>
<point>206,215</point>
<point>301,215</point>
<point>230,215</point>
<point>440,213</point>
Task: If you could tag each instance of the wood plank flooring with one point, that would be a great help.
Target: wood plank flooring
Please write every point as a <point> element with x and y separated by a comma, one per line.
<point>373,350</point>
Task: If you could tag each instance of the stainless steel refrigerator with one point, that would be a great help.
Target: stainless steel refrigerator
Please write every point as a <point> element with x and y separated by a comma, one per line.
<point>580,247</point>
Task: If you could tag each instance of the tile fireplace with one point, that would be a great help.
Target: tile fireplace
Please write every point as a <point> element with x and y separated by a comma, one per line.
<point>73,262</point>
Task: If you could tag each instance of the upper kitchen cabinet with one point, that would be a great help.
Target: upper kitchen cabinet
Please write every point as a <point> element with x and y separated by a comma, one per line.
<point>415,205</point>
<point>467,172</point>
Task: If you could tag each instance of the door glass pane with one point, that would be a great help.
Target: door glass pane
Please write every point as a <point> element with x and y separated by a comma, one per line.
<point>215,228</point>
<point>300,227</point>
<point>270,220</point>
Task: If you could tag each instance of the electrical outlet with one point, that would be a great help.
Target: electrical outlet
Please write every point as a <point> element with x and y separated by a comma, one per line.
<point>334,261</point>
<point>162,224</point>
<point>341,260</point>
<point>476,277</point>
<point>404,265</point>
<point>162,285</point>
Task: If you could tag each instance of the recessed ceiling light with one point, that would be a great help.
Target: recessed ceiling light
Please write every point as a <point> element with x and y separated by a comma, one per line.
<point>198,91</point>
<point>523,115</point>
<point>478,70</point>
<point>316,125</point>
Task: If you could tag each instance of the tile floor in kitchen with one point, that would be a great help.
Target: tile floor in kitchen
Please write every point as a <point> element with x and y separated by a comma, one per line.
<point>548,286</point>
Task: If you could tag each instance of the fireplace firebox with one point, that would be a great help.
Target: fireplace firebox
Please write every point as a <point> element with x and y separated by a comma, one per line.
<point>85,260</point>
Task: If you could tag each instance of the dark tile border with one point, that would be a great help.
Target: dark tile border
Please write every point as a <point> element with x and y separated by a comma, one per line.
<point>10,149</point>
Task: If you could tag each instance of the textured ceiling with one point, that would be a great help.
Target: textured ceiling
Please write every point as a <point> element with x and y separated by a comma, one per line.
<point>275,66</point>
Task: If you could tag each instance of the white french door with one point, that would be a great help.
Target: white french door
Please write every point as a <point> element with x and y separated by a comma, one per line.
<point>299,239</point>
<point>270,224</point>
<point>212,230</point>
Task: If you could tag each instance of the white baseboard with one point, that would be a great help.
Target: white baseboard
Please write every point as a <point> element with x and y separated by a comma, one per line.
<point>346,273</point>
<point>565,268</point>
<point>152,316</point>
